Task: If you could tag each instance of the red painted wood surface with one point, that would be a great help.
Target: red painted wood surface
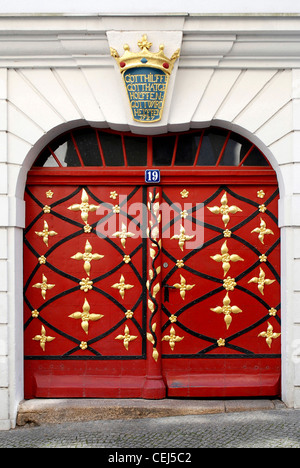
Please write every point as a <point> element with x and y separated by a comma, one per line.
<point>208,357</point>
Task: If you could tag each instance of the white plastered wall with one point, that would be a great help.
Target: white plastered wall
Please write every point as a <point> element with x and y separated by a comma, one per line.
<point>37,104</point>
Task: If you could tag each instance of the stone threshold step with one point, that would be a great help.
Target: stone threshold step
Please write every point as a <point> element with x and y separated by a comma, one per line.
<point>53,411</point>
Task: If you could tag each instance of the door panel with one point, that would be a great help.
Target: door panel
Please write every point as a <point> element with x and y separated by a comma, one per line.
<point>84,291</point>
<point>221,299</point>
<point>92,328</point>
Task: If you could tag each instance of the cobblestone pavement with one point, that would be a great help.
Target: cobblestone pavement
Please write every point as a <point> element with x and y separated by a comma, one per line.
<point>257,429</point>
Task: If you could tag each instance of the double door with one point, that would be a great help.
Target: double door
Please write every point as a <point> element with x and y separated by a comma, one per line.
<point>151,291</point>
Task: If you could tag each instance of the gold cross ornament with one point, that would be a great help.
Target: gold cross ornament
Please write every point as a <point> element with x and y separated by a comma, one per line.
<point>224,209</point>
<point>225,258</point>
<point>46,233</point>
<point>227,310</point>
<point>44,286</point>
<point>121,286</point>
<point>84,207</point>
<point>87,256</point>
<point>85,316</point>
<point>182,237</point>
<point>126,338</point>
<point>183,287</point>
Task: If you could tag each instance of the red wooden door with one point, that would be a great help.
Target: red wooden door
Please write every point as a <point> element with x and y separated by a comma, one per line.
<point>140,291</point>
<point>84,292</point>
<point>221,300</point>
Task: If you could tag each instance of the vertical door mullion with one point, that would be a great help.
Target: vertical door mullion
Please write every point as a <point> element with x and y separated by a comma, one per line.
<point>154,386</point>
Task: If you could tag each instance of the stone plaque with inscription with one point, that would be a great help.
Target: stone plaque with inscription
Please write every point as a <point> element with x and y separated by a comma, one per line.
<point>146,77</point>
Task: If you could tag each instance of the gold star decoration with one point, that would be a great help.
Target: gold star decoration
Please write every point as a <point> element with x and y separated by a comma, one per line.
<point>182,237</point>
<point>126,338</point>
<point>224,209</point>
<point>183,287</point>
<point>122,287</point>
<point>225,258</point>
<point>227,310</point>
<point>260,194</point>
<point>269,335</point>
<point>45,233</point>
<point>84,207</point>
<point>184,193</point>
<point>87,256</point>
<point>49,194</point>
<point>123,235</point>
<point>261,281</point>
<point>172,338</point>
<point>43,339</point>
<point>262,231</point>
<point>44,286</point>
<point>85,316</point>
<point>113,195</point>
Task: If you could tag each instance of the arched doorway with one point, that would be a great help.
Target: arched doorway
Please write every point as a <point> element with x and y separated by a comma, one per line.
<point>135,288</point>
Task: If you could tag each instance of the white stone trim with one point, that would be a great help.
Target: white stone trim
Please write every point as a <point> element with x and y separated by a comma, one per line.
<point>232,73</point>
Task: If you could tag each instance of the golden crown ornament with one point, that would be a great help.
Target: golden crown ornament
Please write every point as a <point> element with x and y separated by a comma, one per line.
<point>146,76</point>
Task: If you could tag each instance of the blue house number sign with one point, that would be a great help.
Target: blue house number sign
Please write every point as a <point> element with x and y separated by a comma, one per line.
<point>152,176</point>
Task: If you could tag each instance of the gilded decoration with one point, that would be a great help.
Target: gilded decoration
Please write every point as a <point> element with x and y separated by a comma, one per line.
<point>260,194</point>
<point>262,231</point>
<point>126,338</point>
<point>269,335</point>
<point>263,258</point>
<point>229,283</point>
<point>226,258</point>
<point>129,314</point>
<point>86,284</point>
<point>182,237</point>
<point>43,339</point>
<point>45,233</point>
<point>85,316</point>
<point>122,287</point>
<point>180,263</point>
<point>227,310</point>
<point>262,208</point>
<point>113,195</point>
<point>87,257</point>
<point>123,235</point>
<point>221,342</point>
<point>184,193</point>
<point>85,208</point>
<point>172,338</point>
<point>153,281</point>
<point>49,194</point>
<point>261,281</point>
<point>224,209</point>
<point>46,209</point>
<point>42,260</point>
<point>44,286</point>
<point>272,312</point>
<point>227,233</point>
<point>183,287</point>
<point>146,76</point>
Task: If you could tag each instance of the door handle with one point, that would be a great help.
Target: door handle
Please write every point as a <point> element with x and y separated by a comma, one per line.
<point>166,292</point>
